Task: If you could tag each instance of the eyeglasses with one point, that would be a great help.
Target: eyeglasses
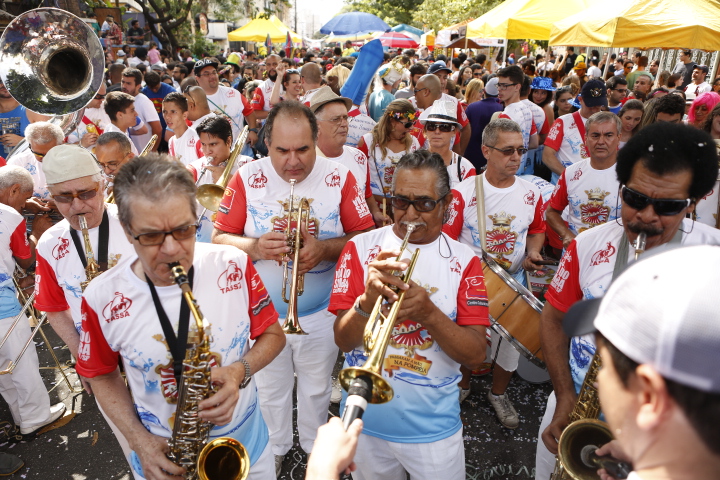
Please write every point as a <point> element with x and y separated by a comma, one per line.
<point>505,86</point>
<point>443,127</point>
<point>158,238</point>
<point>477,74</point>
<point>99,97</point>
<point>111,165</point>
<point>38,155</point>
<point>404,124</point>
<point>420,204</point>
<point>510,150</point>
<point>69,197</point>
<point>339,120</point>
<point>209,74</point>
<point>665,207</point>
<point>621,90</point>
<point>416,90</point>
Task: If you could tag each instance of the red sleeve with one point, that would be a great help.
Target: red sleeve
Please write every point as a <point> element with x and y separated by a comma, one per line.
<point>2,162</point>
<point>453,226</point>
<point>504,115</point>
<point>95,357</point>
<point>470,173</point>
<point>417,132</point>
<point>354,212</point>
<point>555,135</point>
<point>19,245</point>
<point>349,280</point>
<point>261,310</point>
<point>49,296</point>
<point>472,300</point>
<point>363,147</point>
<point>461,116</point>
<point>545,127</point>
<point>232,213</point>
<point>193,171</point>
<point>559,198</point>
<point>538,223</point>
<point>258,101</point>
<point>368,190</point>
<point>198,149</point>
<point>247,108</point>
<point>533,128</point>
<point>565,288</point>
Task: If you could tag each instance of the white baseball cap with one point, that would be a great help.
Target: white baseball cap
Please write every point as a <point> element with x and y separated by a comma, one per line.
<point>68,162</point>
<point>662,311</point>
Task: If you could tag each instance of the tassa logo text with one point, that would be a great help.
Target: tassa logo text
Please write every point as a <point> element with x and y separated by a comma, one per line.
<point>61,249</point>
<point>117,308</point>
<point>230,279</point>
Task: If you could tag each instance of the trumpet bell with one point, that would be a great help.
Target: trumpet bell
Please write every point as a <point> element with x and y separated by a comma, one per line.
<point>51,62</point>
<point>210,195</point>
<point>223,459</point>
<point>382,392</point>
<point>574,438</point>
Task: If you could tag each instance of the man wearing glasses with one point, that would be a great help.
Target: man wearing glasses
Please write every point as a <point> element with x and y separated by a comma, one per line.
<point>510,82</point>
<point>225,101</point>
<point>617,90</point>
<point>76,186</point>
<point>41,137</point>
<point>513,237</point>
<point>663,170</point>
<point>441,326</point>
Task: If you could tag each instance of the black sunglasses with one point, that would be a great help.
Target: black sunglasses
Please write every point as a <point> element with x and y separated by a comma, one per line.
<point>665,207</point>
<point>157,238</point>
<point>443,127</point>
<point>420,204</point>
<point>405,124</point>
<point>510,150</point>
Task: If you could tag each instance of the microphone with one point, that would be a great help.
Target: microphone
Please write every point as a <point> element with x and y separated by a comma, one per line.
<point>359,393</point>
<point>614,467</point>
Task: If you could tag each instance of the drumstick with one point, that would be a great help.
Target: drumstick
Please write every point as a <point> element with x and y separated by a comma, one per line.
<point>384,210</point>
<point>554,263</point>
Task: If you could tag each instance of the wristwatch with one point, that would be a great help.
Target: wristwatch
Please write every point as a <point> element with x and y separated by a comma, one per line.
<point>248,375</point>
<point>254,130</point>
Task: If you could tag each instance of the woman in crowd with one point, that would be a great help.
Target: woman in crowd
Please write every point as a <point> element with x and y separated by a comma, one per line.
<point>673,82</point>
<point>716,85</point>
<point>464,78</point>
<point>631,115</point>
<point>563,102</point>
<point>290,88</point>
<point>541,95</point>
<point>473,92</point>
<point>336,77</point>
<point>440,130</point>
<point>701,107</point>
<point>661,79</point>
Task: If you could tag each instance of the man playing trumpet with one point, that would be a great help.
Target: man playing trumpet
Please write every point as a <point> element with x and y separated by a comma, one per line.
<point>440,326</point>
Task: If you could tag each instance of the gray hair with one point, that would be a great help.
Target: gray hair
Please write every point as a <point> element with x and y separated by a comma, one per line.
<point>604,117</point>
<point>153,177</point>
<point>424,160</point>
<point>15,175</point>
<point>43,133</point>
<point>493,129</point>
<point>120,138</point>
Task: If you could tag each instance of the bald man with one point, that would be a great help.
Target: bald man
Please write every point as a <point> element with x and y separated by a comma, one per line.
<point>311,79</point>
<point>198,107</point>
<point>261,100</point>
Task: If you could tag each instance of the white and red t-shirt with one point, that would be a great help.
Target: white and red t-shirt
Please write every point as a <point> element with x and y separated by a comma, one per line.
<point>29,162</point>
<point>261,97</point>
<point>187,148</point>
<point>512,214</point>
<point>231,104</point>
<point>707,209</point>
<point>120,321</point>
<point>591,196</point>
<point>94,120</point>
<point>14,242</point>
<point>194,124</point>
<point>567,138</point>
<point>521,114</point>
<point>382,168</point>
<point>306,99</point>
<point>423,376</point>
<point>254,205</point>
<point>147,112</point>
<point>113,128</point>
<point>466,170</point>
<point>358,125</point>
<point>357,162</point>
<point>586,270</point>
<point>539,117</point>
<point>59,269</point>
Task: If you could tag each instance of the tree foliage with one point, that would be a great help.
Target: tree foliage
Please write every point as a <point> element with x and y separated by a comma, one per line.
<point>439,14</point>
<point>392,12</point>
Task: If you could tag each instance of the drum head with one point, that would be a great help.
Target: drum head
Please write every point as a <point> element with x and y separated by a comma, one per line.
<point>531,373</point>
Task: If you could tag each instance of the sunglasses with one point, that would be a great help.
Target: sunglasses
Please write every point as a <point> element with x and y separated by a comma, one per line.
<point>38,155</point>
<point>158,238</point>
<point>420,205</point>
<point>443,127</point>
<point>665,207</point>
<point>510,150</point>
<point>69,197</point>
<point>404,124</point>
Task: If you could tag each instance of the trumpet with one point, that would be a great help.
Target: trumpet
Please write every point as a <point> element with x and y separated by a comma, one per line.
<point>291,326</point>
<point>378,331</point>
<point>211,195</point>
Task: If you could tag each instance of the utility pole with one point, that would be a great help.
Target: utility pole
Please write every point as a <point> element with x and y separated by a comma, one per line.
<point>296,16</point>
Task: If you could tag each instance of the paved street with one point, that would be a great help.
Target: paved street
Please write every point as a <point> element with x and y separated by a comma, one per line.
<point>85,448</point>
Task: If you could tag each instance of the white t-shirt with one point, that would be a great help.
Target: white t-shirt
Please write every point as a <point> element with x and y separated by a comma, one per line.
<point>356,161</point>
<point>187,148</point>
<point>253,205</point>
<point>594,71</point>
<point>586,270</point>
<point>567,138</point>
<point>521,114</point>
<point>592,196</point>
<point>382,168</point>
<point>113,128</point>
<point>358,125</point>
<point>120,321</point>
<point>306,99</point>
<point>512,214</point>
<point>94,119</point>
<point>147,113</point>
<point>13,243</point>
<point>696,89</point>
<point>467,169</point>
<point>60,271</point>
<point>261,97</point>
<point>424,378</point>
<point>537,112</point>
<point>706,210</point>
<point>232,105</point>
<point>200,120</point>
<point>29,162</point>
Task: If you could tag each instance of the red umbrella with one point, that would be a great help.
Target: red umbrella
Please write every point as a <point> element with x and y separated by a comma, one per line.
<point>397,40</point>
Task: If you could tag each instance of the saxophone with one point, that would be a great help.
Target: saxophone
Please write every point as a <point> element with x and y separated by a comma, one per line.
<point>92,268</point>
<point>223,458</point>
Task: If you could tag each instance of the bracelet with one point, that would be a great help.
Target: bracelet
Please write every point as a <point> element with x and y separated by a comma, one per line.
<point>359,310</point>
<point>248,376</point>
<point>254,130</point>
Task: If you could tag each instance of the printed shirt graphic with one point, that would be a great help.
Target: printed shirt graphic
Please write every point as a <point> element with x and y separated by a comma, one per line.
<point>261,98</point>
<point>187,148</point>
<point>254,205</point>
<point>591,196</point>
<point>511,214</point>
<point>358,125</point>
<point>120,320</point>
<point>425,407</point>
<point>586,270</point>
<point>28,161</point>
<point>521,114</point>
<point>539,117</point>
<point>357,162</point>
<point>235,105</point>
<point>59,269</point>
<point>94,120</point>
<point>706,210</point>
<point>566,140</point>
<point>382,168</point>
<point>13,243</point>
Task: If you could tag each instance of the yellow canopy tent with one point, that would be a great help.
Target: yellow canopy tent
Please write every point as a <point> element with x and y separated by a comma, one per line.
<point>643,24</point>
<point>517,19</point>
<point>258,30</point>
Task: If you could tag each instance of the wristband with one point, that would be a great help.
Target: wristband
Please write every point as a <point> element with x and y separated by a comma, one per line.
<point>254,130</point>
<point>248,376</point>
<point>359,310</point>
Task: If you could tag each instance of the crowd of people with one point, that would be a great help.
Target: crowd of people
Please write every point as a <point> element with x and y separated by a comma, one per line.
<point>547,160</point>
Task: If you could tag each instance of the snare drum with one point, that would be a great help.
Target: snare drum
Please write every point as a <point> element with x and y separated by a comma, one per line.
<point>514,311</point>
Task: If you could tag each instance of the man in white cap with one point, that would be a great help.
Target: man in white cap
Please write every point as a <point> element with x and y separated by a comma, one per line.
<point>77,187</point>
<point>659,385</point>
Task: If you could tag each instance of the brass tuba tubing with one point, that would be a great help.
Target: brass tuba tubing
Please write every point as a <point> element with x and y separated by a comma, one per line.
<point>291,326</point>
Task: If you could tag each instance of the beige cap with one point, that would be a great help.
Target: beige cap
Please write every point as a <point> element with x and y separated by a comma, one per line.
<point>68,162</point>
<point>326,95</point>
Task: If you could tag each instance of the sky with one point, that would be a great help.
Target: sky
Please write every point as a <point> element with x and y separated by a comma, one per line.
<point>314,13</point>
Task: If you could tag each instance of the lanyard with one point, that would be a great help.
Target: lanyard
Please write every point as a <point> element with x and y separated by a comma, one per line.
<point>103,237</point>
<point>177,345</point>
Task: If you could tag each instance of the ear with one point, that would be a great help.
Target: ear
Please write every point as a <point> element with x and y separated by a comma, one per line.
<point>485,151</point>
<point>653,400</point>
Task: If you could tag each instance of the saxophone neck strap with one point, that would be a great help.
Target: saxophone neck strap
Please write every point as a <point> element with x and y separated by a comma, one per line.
<point>176,343</point>
<point>103,240</point>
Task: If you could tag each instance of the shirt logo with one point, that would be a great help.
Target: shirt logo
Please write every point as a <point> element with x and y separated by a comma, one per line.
<point>333,179</point>
<point>455,265</point>
<point>117,308</point>
<point>61,249</point>
<point>342,276</point>
<point>578,174</point>
<point>603,255</point>
<point>475,292</point>
<point>360,158</point>
<point>554,131</point>
<point>372,254</point>
<point>257,180</point>
<point>84,348</point>
<point>230,279</point>
<point>530,198</point>
<point>361,206</point>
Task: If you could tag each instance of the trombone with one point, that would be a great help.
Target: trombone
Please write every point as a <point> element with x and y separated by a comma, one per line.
<point>291,326</point>
<point>376,337</point>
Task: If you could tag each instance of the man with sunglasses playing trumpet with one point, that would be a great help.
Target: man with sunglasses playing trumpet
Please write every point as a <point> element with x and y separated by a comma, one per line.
<point>514,236</point>
<point>663,171</point>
